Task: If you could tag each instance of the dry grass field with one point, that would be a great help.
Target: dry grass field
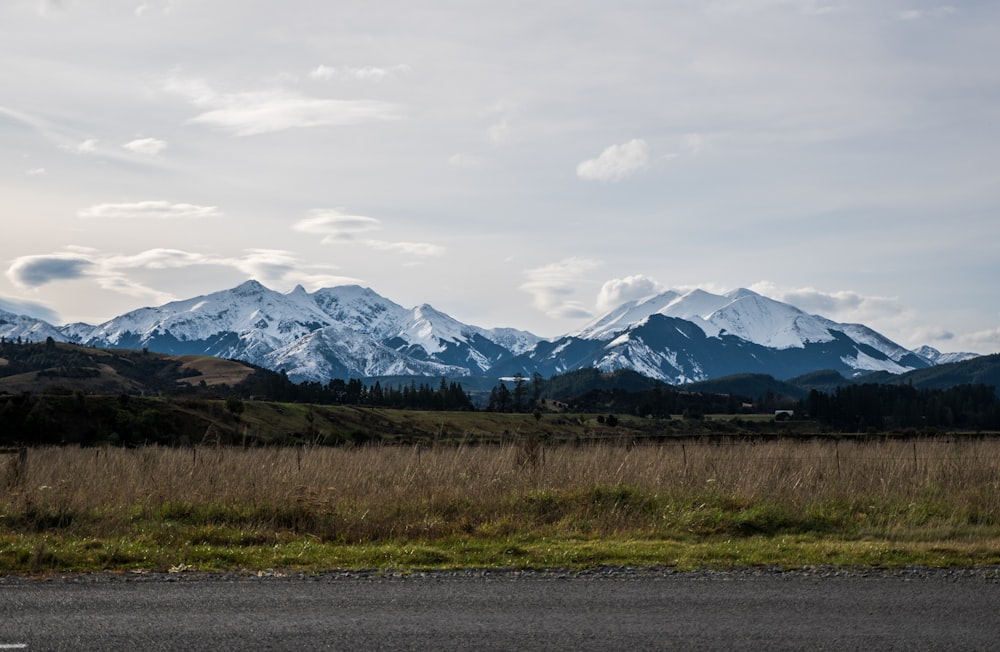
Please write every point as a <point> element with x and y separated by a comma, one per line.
<point>934,501</point>
<point>213,371</point>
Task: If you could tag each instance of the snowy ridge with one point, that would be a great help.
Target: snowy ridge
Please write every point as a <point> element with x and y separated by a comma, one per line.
<point>934,356</point>
<point>352,331</point>
<point>334,332</point>
<point>13,327</point>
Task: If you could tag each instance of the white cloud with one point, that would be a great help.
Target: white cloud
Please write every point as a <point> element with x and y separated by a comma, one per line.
<point>619,290</point>
<point>336,226</point>
<point>465,161</point>
<point>88,146</point>
<point>159,259</point>
<point>934,12</point>
<point>412,248</point>
<point>147,6</point>
<point>808,7</point>
<point>150,146</point>
<point>695,143</point>
<point>499,134</point>
<point>552,287</point>
<point>53,7</point>
<point>252,113</point>
<point>363,73</point>
<point>35,172</point>
<point>616,162</point>
<point>159,210</point>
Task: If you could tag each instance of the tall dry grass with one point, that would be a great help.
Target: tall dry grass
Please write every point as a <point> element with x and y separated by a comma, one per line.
<point>374,493</point>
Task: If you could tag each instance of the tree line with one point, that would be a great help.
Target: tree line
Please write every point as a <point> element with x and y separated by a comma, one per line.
<point>444,395</point>
<point>880,407</point>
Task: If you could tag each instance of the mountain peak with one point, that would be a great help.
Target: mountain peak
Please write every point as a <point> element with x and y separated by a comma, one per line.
<point>250,286</point>
<point>740,293</point>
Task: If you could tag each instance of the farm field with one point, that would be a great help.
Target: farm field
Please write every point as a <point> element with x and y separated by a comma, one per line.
<point>522,504</point>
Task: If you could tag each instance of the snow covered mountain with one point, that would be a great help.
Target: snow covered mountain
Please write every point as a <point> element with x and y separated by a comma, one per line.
<point>14,327</point>
<point>936,357</point>
<point>346,331</point>
<point>689,337</point>
<point>352,332</point>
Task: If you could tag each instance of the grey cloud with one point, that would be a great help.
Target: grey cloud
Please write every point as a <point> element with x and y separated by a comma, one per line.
<point>35,271</point>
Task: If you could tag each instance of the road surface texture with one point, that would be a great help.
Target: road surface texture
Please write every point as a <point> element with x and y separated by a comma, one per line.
<point>607,609</point>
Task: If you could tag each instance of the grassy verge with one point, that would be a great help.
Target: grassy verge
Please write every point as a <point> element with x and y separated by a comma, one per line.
<point>788,504</point>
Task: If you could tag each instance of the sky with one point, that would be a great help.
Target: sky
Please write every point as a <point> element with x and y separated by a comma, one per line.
<point>525,164</point>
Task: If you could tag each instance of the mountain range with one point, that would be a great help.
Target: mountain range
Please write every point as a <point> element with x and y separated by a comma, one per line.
<point>353,332</point>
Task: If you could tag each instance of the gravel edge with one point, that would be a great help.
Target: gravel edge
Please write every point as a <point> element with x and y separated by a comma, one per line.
<point>988,574</point>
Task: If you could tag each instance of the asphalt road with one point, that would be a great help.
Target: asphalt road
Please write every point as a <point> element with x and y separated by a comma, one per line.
<point>604,610</point>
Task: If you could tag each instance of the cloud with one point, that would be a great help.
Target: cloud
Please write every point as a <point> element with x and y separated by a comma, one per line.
<point>985,340</point>
<point>30,308</point>
<point>499,134</point>
<point>148,5</point>
<point>53,7</point>
<point>108,271</point>
<point>338,227</point>
<point>150,146</point>
<point>842,305</point>
<point>695,143</point>
<point>158,259</point>
<point>35,271</point>
<point>159,210</point>
<point>253,113</point>
<point>412,248</point>
<point>886,315</point>
<point>363,73</point>
<point>808,7</point>
<point>63,137</point>
<point>552,287</point>
<point>88,146</point>
<point>263,264</point>
<point>619,290</point>
<point>35,172</point>
<point>116,272</point>
<point>616,162</point>
<point>934,12</point>
<point>466,161</point>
